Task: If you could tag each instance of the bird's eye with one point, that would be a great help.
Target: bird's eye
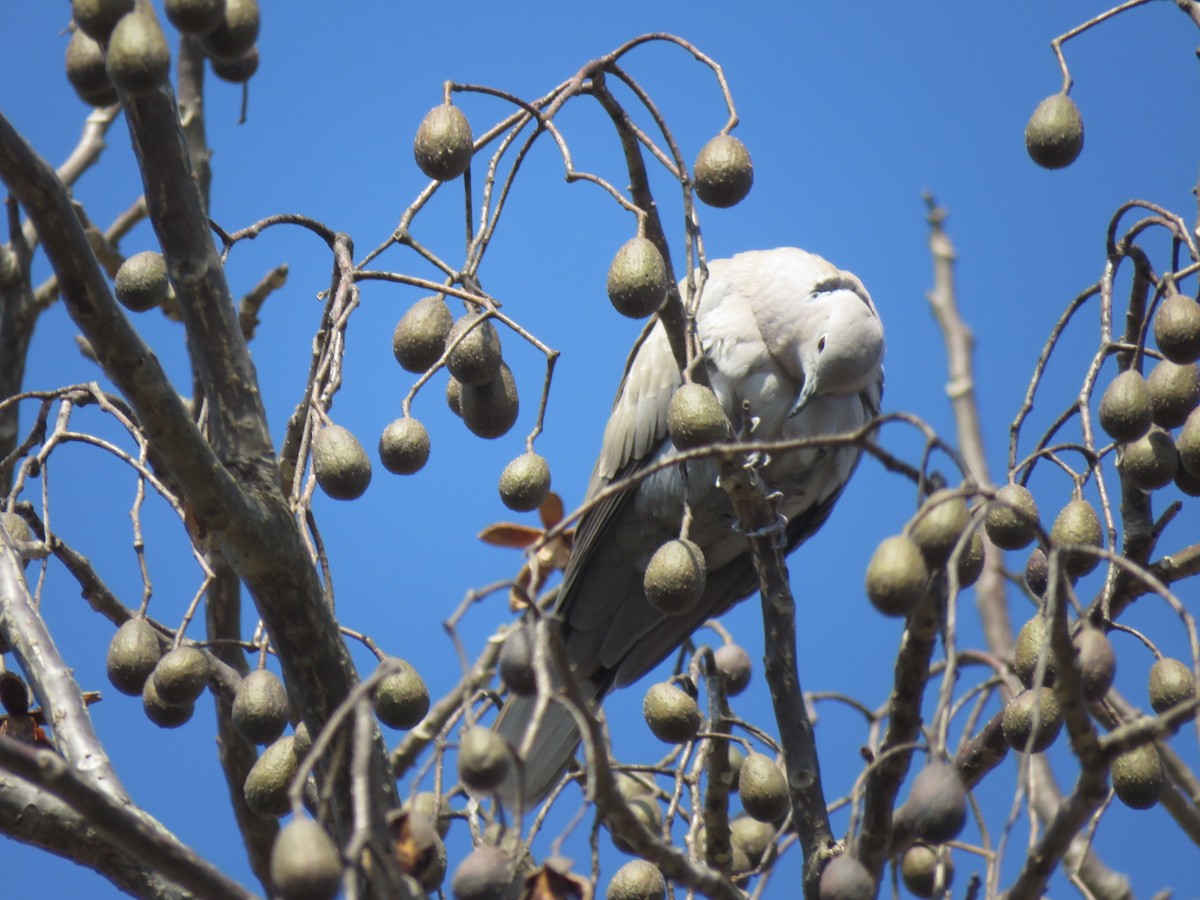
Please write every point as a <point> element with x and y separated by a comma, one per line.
<point>821,344</point>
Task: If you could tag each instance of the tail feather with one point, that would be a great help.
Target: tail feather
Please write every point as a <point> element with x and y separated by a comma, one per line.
<point>553,745</point>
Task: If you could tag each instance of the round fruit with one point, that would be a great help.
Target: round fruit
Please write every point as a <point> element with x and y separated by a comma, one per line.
<point>87,73</point>
<point>1077,523</point>
<point>1171,682</point>
<point>266,785</point>
<point>763,789</point>
<point>484,874</point>
<point>1138,778</point>
<point>918,868</point>
<point>1150,462</point>
<point>648,813</point>
<point>236,33</point>
<point>305,863</point>
<point>301,741</point>
<point>936,810</point>
<point>162,713</point>
<point>1011,520</point>
<point>1054,135</point>
<point>420,336</point>
<point>1031,642</point>
<point>516,661</point>
<point>404,446</point>
<point>675,577</point>
<point>733,662</point>
<point>141,282</point>
<point>1097,662</point>
<point>181,675</point>
<point>444,143</point>
<point>340,463</point>
<point>260,707</point>
<point>938,525</point>
<point>427,804</point>
<point>195,17</point>
<point>490,410</point>
<point>454,396</point>
<point>1185,480</point>
<point>723,171</point>
<point>1125,409</point>
<point>1174,392</point>
<point>1037,572</point>
<point>483,759</point>
<point>844,878</point>
<point>1188,444</point>
<point>970,562</point>
<point>18,529</point>
<point>1177,328</point>
<point>637,880</point>
<point>14,694</point>
<point>138,59</point>
<point>238,70</point>
<point>672,714</point>
<point>97,18</point>
<point>476,359</point>
<point>420,850</point>
<point>402,699</point>
<point>695,418</point>
<point>1034,713</point>
<point>132,656</point>
<point>637,278</point>
<point>752,837</point>
<point>525,482</point>
<point>896,576</point>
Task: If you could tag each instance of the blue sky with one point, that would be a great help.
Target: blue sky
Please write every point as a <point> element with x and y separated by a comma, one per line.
<point>850,111</point>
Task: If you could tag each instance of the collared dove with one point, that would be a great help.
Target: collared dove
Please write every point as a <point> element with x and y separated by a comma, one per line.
<point>794,346</point>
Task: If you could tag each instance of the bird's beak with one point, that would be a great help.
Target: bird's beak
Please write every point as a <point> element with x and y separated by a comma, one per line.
<point>806,393</point>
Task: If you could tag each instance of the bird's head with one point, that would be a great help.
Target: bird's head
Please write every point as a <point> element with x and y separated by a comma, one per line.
<point>837,345</point>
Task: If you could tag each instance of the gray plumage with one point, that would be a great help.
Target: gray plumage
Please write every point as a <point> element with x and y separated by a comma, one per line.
<point>796,342</point>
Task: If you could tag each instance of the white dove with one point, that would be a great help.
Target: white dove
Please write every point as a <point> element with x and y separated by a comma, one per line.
<point>794,346</point>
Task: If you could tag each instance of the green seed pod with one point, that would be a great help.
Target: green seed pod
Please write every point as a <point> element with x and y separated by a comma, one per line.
<point>1031,642</point>
<point>1174,392</point>
<point>237,32</point>
<point>141,283</point>
<point>1078,523</point>
<point>733,662</point>
<point>970,562</point>
<point>637,278</point>
<point>304,863</point>
<point>1177,328</point>
<point>238,70</point>
<point>1034,713</point>
<point>181,676</point>
<point>490,410</point>
<point>1054,135</point>
<point>1150,462</point>
<point>516,661</point>
<point>87,73</point>
<point>1188,444</point>
<point>484,874</point>
<point>132,655</point>
<point>637,880</point>
<point>695,418</point>
<point>162,713</point>
<point>918,869</point>
<point>404,446</point>
<point>340,463</point>
<point>844,878</point>
<point>266,785</point>
<point>402,699</point>
<point>476,359</point>
<point>1126,411</point>
<point>1097,662</point>
<point>896,576</point>
<point>260,707</point>
<point>138,58</point>
<point>675,577</point>
<point>97,18</point>
<point>420,336</point>
<point>723,172</point>
<point>483,759</point>
<point>1171,683</point>
<point>936,809</point>
<point>525,482</point>
<point>195,17</point>
<point>754,838</point>
<point>1011,520</point>
<point>938,525</point>
<point>444,143</point>
<point>763,789</point>
<point>672,714</point>
<point>1138,778</point>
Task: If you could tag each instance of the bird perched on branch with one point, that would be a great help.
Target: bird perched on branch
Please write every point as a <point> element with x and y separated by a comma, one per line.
<point>793,348</point>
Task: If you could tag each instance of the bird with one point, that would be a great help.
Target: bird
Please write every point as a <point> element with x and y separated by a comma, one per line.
<point>792,345</point>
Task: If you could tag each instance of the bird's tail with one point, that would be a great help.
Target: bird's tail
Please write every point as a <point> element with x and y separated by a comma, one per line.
<point>553,744</point>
